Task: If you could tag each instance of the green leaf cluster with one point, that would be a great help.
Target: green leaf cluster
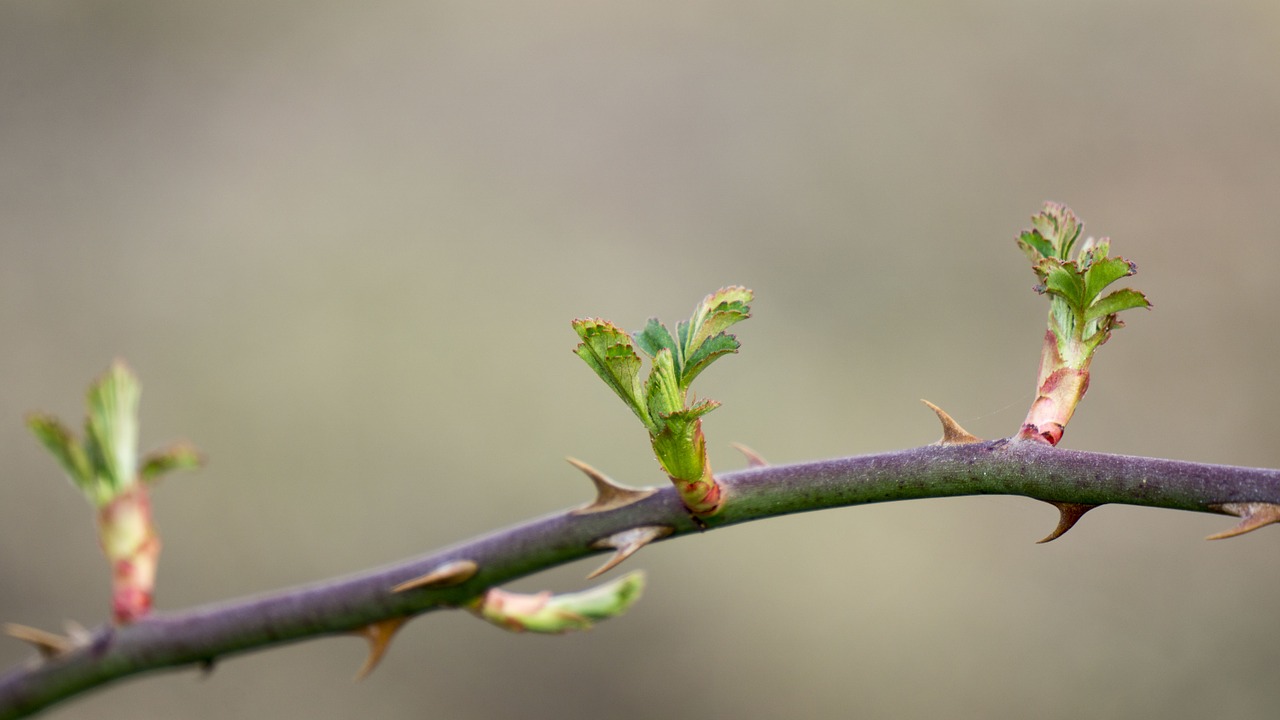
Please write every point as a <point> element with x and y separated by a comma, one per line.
<point>1080,315</point>
<point>661,401</point>
<point>106,463</point>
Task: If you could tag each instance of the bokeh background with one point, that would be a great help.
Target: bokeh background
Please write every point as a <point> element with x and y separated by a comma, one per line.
<point>341,244</point>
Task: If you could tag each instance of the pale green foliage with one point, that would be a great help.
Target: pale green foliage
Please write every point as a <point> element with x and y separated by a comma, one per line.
<point>607,349</point>
<point>111,429</point>
<point>1080,316</point>
<point>105,463</point>
<point>555,614</point>
<point>661,401</point>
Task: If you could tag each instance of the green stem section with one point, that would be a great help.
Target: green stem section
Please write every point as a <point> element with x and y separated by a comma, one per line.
<point>201,635</point>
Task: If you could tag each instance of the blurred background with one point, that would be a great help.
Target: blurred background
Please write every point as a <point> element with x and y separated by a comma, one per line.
<point>341,244</point>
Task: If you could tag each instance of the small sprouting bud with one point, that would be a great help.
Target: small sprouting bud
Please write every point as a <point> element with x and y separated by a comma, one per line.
<point>178,456</point>
<point>106,468</point>
<point>662,402</point>
<point>554,614</point>
<point>1081,317</point>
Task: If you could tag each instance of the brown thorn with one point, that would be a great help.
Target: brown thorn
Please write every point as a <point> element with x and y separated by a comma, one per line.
<point>49,645</point>
<point>379,635</point>
<point>609,494</point>
<point>1068,515</point>
<point>627,543</point>
<point>753,458</point>
<point>952,433</point>
<point>447,575</point>
<point>1252,516</point>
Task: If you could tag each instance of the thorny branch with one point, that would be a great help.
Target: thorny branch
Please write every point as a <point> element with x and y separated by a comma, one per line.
<point>1074,272</point>
<point>456,576</point>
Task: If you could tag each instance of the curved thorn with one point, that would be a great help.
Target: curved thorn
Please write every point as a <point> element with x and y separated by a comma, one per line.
<point>447,575</point>
<point>609,494</point>
<point>379,635</point>
<point>626,543</point>
<point>1252,516</point>
<point>753,458</point>
<point>1068,515</point>
<point>49,645</point>
<point>952,433</point>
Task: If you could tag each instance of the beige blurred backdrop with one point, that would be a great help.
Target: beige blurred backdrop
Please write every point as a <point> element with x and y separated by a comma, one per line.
<point>341,244</point>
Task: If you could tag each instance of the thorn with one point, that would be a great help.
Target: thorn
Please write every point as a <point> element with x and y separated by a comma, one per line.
<point>753,458</point>
<point>1068,515</point>
<point>609,494</point>
<point>952,433</point>
<point>1252,516</point>
<point>627,543</point>
<point>49,645</point>
<point>379,635</point>
<point>207,666</point>
<point>447,575</point>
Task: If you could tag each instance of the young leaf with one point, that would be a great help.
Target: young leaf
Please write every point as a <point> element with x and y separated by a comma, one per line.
<point>1123,299</point>
<point>1059,226</point>
<point>112,425</point>
<point>65,448</point>
<point>655,337</point>
<point>1063,280</point>
<point>694,411</point>
<point>707,352</point>
<point>1035,246</point>
<point>714,315</point>
<point>609,352</point>
<point>662,390</point>
<point>180,456</point>
<point>1104,271</point>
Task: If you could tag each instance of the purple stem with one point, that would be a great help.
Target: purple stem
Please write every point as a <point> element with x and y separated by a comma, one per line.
<point>204,634</point>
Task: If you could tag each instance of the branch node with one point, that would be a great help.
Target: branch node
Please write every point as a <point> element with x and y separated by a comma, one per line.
<point>1068,515</point>
<point>609,494</point>
<point>952,433</point>
<point>1253,515</point>
<point>754,458</point>
<point>447,575</point>
<point>626,543</point>
<point>379,635</point>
